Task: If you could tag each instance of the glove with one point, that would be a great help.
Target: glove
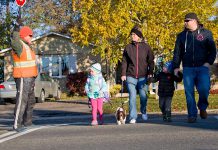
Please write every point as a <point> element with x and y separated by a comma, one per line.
<point>96,94</point>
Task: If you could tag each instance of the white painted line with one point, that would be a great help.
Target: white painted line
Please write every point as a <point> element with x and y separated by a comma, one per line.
<point>7,134</point>
<point>13,134</point>
<point>20,134</point>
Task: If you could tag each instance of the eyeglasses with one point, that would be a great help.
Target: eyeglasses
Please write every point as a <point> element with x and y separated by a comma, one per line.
<point>187,20</point>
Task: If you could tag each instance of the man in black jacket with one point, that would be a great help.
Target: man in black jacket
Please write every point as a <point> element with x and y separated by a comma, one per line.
<point>196,49</point>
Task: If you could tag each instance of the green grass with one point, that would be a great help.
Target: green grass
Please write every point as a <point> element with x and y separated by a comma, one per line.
<point>178,103</point>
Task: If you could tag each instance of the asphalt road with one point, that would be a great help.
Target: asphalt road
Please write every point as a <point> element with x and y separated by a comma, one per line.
<point>68,127</point>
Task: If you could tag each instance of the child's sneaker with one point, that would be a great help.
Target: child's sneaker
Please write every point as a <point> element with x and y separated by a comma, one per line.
<point>144,117</point>
<point>164,116</point>
<point>101,122</point>
<point>132,121</point>
<point>94,123</point>
<point>168,116</point>
<point>168,119</point>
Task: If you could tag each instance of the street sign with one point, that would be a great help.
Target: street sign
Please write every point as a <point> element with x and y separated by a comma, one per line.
<point>20,2</point>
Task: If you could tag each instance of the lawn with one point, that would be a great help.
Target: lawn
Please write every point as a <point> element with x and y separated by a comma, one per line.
<point>178,103</point>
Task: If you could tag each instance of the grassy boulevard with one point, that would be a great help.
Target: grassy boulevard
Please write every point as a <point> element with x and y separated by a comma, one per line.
<point>178,103</point>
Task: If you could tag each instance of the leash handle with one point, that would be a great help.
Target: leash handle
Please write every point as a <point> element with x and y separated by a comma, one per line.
<point>122,90</point>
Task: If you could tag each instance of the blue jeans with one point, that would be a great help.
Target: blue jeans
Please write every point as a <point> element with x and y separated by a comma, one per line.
<point>199,77</point>
<point>134,84</point>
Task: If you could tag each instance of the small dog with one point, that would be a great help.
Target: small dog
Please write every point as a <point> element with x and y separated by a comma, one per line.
<point>121,114</point>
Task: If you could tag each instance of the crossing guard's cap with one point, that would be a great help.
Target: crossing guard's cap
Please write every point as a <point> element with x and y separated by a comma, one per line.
<point>25,31</point>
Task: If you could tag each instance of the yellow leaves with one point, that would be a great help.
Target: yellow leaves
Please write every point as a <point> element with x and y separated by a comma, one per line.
<point>107,23</point>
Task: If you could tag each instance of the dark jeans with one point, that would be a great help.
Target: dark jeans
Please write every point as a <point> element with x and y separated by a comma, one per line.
<point>199,77</point>
<point>165,104</point>
<point>25,100</point>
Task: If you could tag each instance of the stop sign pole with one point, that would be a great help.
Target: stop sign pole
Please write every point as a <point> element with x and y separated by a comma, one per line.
<point>20,3</point>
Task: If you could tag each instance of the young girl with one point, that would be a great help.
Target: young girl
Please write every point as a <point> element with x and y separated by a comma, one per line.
<point>95,88</point>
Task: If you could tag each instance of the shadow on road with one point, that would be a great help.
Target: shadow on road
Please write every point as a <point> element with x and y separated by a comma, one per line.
<point>80,115</point>
<point>211,123</point>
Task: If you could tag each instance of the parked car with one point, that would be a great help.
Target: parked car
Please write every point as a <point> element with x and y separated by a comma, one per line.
<point>45,87</point>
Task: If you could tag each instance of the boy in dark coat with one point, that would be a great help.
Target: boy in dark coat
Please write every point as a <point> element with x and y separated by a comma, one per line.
<point>166,89</point>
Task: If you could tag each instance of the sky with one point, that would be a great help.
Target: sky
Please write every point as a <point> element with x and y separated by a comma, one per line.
<point>37,32</point>
<point>14,9</point>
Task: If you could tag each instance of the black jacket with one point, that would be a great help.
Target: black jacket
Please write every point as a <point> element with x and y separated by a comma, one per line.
<point>166,83</point>
<point>194,48</point>
<point>138,60</point>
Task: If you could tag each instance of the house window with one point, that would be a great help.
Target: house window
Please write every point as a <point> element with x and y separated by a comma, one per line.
<point>58,65</point>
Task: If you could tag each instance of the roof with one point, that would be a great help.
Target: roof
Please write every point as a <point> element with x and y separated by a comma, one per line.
<point>50,33</point>
<point>39,37</point>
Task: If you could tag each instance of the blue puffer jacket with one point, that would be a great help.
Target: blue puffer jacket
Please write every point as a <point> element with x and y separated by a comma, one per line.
<point>95,86</point>
<point>194,48</point>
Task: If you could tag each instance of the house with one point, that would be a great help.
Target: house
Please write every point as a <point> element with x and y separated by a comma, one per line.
<point>56,55</point>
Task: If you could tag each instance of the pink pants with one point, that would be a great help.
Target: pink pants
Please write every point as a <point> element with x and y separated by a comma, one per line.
<point>97,107</point>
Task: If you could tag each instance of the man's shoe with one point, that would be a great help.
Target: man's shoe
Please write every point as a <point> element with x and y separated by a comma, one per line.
<point>20,129</point>
<point>132,121</point>
<point>144,117</point>
<point>168,119</point>
<point>28,124</point>
<point>203,114</point>
<point>164,118</point>
<point>192,120</point>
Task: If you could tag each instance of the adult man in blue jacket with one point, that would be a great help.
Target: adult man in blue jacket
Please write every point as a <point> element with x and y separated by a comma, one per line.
<point>196,49</point>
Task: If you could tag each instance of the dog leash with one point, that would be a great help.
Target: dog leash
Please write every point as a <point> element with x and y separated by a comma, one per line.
<point>122,90</point>
<point>122,95</point>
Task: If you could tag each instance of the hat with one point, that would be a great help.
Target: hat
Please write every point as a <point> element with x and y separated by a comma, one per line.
<point>25,31</point>
<point>169,66</point>
<point>137,32</point>
<point>191,16</point>
<point>96,67</point>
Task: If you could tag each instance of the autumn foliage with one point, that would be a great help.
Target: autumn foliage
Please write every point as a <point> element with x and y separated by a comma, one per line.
<point>106,24</point>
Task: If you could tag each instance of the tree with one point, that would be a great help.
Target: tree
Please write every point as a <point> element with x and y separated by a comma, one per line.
<point>54,13</point>
<point>7,18</point>
<point>106,24</point>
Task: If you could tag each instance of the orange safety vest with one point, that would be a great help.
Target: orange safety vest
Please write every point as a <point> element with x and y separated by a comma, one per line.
<point>25,66</point>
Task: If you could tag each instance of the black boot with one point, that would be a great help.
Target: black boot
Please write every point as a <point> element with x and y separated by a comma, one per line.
<point>164,116</point>
<point>168,116</point>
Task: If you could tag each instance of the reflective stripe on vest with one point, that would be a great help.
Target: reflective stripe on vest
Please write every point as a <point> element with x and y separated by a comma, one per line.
<point>31,63</point>
<point>28,51</point>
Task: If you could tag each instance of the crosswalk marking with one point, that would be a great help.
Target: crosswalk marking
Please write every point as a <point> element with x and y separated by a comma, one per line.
<point>7,134</point>
<point>13,134</point>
